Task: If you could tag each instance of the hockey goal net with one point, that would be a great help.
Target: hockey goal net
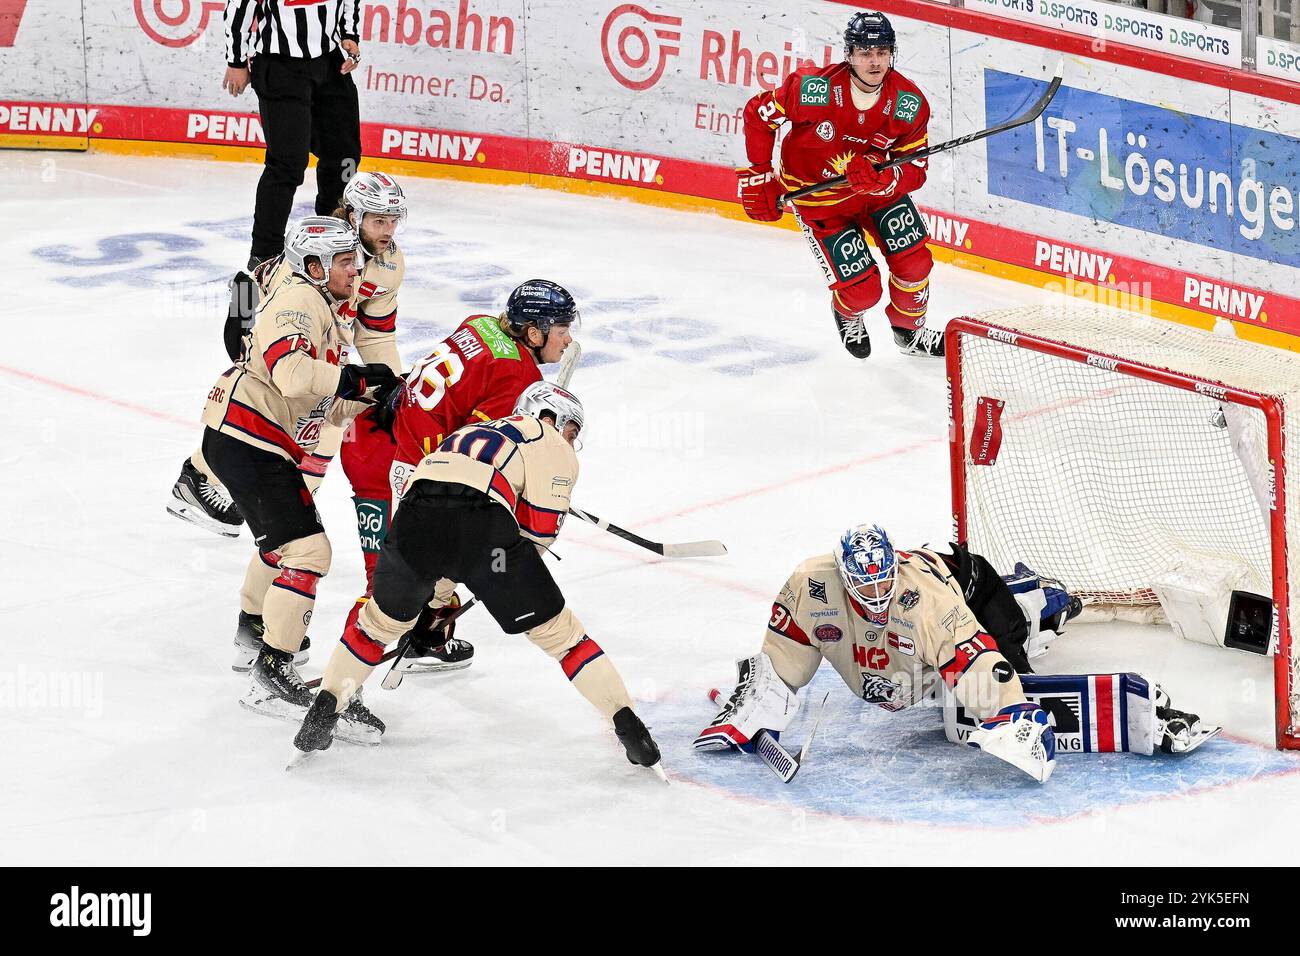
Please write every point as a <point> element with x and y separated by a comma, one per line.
<point>1108,449</point>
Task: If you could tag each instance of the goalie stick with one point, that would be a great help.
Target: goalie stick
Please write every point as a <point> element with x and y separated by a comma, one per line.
<point>1032,114</point>
<point>682,549</point>
<point>395,655</point>
<point>769,750</point>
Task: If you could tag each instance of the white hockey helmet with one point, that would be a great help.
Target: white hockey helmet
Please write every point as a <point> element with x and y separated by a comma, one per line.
<point>322,237</point>
<point>868,568</point>
<point>543,396</point>
<point>376,193</point>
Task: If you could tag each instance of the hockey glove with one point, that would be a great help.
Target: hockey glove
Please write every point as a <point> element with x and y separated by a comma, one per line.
<point>864,178</point>
<point>387,397</point>
<point>355,380</point>
<point>759,192</point>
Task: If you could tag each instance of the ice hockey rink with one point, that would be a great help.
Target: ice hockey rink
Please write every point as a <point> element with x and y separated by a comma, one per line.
<point>719,404</point>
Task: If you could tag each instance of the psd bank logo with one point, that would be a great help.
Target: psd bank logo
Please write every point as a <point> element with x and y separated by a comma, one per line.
<point>636,45</point>
<point>176,22</point>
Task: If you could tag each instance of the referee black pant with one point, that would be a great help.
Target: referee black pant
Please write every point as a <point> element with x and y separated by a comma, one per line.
<point>306,106</point>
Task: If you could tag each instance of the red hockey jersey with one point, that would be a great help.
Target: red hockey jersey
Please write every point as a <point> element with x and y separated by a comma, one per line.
<point>474,374</point>
<point>826,129</point>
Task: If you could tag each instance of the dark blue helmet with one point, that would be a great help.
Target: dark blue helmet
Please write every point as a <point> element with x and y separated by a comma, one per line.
<point>867,30</point>
<point>542,303</point>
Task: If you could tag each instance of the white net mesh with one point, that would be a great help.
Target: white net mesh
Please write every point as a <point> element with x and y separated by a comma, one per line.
<point>1107,481</point>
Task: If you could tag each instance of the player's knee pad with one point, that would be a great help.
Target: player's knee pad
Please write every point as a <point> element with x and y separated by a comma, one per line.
<point>911,267</point>
<point>378,626</point>
<point>558,635</point>
<point>760,701</point>
<point>311,553</point>
<point>855,299</point>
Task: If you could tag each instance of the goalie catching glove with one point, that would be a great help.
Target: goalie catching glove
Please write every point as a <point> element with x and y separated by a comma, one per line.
<point>1022,736</point>
<point>761,701</point>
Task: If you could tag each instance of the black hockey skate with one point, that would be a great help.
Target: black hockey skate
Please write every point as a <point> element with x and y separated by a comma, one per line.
<point>432,648</point>
<point>424,657</point>
<point>925,341</point>
<point>275,688</point>
<point>358,724</point>
<point>637,742</point>
<point>248,641</point>
<point>201,503</point>
<point>853,334</point>
<point>317,730</point>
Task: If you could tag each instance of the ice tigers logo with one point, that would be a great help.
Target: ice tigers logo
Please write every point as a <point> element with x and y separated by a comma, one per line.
<point>909,599</point>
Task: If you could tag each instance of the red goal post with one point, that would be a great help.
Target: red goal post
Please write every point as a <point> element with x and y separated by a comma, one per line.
<point>1106,448</point>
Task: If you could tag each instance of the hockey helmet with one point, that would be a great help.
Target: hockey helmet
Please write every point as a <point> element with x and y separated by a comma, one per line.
<point>376,193</point>
<point>544,396</point>
<point>542,303</point>
<point>867,30</point>
<point>321,237</point>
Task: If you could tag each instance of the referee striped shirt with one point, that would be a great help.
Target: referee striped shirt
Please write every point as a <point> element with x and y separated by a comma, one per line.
<point>297,28</point>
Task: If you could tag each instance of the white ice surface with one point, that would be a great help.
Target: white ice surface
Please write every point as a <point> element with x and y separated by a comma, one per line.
<point>719,404</point>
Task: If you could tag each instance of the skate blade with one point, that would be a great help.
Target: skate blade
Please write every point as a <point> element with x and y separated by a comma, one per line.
<point>273,707</point>
<point>299,758</point>
<point>658,770</point>
<point>361,734</point>
<point>439,668</point>
<point>183,511</point>
<point>1198,738</point>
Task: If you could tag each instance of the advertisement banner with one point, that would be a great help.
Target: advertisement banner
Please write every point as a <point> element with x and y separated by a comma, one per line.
<point>1167,172</point>
<point>1122,23</point>
<point>43,58</point>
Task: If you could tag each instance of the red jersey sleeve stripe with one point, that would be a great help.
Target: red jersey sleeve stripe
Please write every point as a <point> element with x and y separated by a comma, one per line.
<point>282,347</point>
<point>967,651</point>
<point>542,522</point>
<point>379,323</point>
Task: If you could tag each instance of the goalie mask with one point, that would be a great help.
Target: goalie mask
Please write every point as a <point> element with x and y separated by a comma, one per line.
<point>542,397</point>
<point>868,568</point>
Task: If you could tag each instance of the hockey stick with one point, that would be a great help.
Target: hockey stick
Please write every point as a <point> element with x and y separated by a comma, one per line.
<point>1032,114</point>
<point>769,750</point>
<point>396,653</point>
<point>568,363</point>
<point>683,549</point>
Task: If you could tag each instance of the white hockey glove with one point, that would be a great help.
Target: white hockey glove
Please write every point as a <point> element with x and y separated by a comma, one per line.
<point>1022,736</point>
<point>761,701</point>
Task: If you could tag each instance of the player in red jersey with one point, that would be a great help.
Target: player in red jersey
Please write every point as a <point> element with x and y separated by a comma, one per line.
<point>839,121</point>
<point>475,374</point>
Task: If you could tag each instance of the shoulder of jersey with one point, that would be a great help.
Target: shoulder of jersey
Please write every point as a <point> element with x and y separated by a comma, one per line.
<point>822,564</point>
<point>906,97</point>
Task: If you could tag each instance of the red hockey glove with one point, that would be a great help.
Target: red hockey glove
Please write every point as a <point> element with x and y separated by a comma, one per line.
<point>864,178</point>
<point>759,192</point>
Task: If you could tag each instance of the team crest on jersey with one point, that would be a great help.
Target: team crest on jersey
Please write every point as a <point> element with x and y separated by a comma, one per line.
<point>909,599</point>
<point>826,130</point>
<point>827,633</point>
<point>908,104</point>
<point>817,590</point>
<point>814,91</point>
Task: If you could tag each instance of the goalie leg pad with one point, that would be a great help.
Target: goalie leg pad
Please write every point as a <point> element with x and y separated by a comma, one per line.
<point>761,701</point>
